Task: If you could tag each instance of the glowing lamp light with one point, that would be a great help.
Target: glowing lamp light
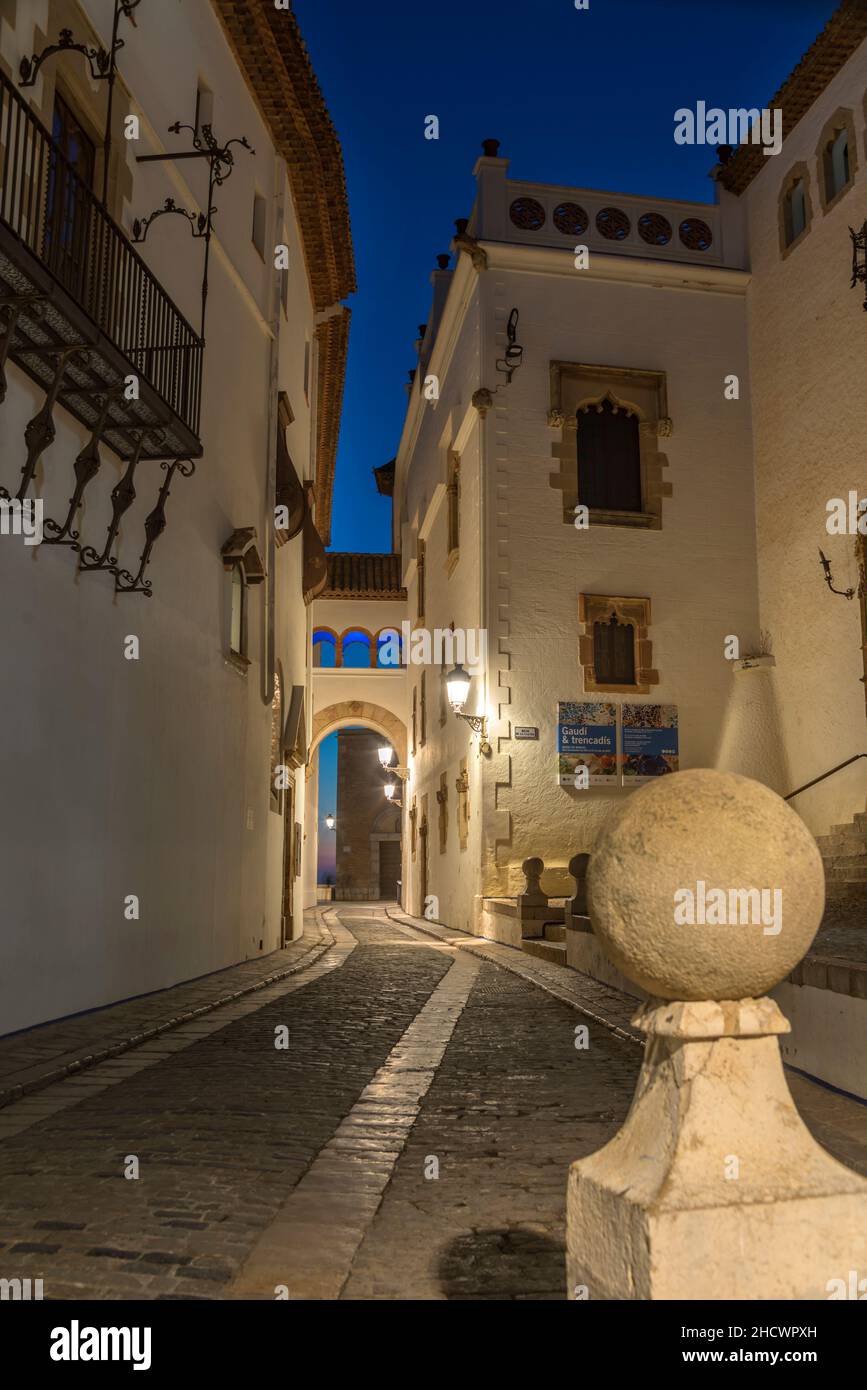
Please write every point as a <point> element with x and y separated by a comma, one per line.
<point>385,755</point>
<point>390,788</point>
<point>329,821</point>
<point>458,687</point>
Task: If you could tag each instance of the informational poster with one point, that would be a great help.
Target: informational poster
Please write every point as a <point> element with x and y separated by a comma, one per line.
<point>587,738</point>
<point>649,743</point>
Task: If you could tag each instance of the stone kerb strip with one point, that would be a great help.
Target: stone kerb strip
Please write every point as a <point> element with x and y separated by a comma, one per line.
<point>54,1073</point>
<point>310,1247</point>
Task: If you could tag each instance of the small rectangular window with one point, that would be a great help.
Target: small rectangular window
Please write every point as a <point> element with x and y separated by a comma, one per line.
<point>307,370</point>
<point>839,164</point>
<point>204,106</point>
<point>259,219</point>
<point>614,652</point>
<point>237,639</point>
<point>796,211</point>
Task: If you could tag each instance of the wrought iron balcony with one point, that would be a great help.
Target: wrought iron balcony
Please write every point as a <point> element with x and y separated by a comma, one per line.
<point>71,278</point>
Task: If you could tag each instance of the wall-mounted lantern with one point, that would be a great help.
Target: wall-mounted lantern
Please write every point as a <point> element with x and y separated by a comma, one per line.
<point>330,821</point>
<point>457,689</point>
<point>390,788</point>
<point>826,567</point>
<point>385,755</point>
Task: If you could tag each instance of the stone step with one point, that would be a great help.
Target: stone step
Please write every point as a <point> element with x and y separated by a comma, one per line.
<point>553,951</point>
<point>554,932</point>
<point>849,846</point>
<point>849,831</point>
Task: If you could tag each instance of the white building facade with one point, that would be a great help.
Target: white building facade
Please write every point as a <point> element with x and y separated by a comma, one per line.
<point>157,696</point>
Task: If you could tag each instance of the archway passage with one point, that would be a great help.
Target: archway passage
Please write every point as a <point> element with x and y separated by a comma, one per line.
<point>360,858</point>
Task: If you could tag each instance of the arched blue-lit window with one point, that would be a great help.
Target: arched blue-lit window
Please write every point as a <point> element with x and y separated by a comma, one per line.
<point>388,648</point>
<point>356,648</point>
<point>324,647</point>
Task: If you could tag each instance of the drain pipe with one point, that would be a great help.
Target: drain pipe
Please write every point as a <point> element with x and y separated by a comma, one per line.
<point>269,663</point>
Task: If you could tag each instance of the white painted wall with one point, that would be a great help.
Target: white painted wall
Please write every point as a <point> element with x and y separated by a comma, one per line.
<point>151,777</point>
<point>807,339</point>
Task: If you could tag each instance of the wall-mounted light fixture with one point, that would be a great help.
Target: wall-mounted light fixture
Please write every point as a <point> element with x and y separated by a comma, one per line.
<point>390,788</point>
<point>458,688</point>
<point>385,755</point>
<point>826,566</point>
<point>859,258</point>
<point>330,821</point>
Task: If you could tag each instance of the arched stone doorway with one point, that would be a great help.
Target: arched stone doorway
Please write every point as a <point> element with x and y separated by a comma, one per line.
<point>374,843</point>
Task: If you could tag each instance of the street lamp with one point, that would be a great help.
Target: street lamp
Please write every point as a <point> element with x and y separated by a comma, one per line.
<point>329,821</point>
<point>385,754</point>
<point>390,788</point>
<point>457,689</point>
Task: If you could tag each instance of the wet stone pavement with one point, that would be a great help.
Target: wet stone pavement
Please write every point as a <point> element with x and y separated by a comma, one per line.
<point>410,1141</point>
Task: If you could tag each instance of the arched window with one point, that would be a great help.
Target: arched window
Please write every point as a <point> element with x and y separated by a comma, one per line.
<point>794,211</point>
<point>836,163</point>
<point>614,652</point>
<point>609,458</point>
<point>355,648</point>
<point>388,648</point>
<point>324,647</point>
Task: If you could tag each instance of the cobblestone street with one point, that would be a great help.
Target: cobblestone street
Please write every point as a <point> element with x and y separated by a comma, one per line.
<point>411,1139</point>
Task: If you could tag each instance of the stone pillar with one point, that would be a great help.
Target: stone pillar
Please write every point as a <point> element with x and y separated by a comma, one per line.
<point>576,910</point>
<point>532,904</point>
<point>713,1188</point>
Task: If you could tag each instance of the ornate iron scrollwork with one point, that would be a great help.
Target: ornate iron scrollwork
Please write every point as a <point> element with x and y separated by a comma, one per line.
<point>198,223</point>
<point>155,524</point>
<point>221,161</point>
<point>122,497</point>
<point>99,59</point>
<point>39,432</point>
<point>86,467</point>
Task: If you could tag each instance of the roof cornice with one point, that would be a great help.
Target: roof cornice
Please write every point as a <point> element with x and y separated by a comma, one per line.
<point>841,36</point>
<point>273,57</point>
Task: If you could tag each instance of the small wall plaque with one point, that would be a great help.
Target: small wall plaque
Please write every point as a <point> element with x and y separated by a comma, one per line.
<point>526,731</point>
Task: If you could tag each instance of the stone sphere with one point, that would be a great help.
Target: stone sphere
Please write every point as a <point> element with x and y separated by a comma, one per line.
<point>669,880</point>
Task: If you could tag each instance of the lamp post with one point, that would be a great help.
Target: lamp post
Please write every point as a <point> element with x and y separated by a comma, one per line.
<point>457,689</point>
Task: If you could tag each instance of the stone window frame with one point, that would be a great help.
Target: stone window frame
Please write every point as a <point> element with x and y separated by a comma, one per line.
<point>634,612</point>
<point>453,511</point>
<point>413,821</point>
<point>842,119</point>
<point>444,702</point>
<point>414,744</point>
<point>798,172</point>
<point>640,391</point>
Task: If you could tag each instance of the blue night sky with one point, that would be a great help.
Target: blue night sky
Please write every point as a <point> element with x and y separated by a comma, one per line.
<point>575,97</point>
<point>567,93</point>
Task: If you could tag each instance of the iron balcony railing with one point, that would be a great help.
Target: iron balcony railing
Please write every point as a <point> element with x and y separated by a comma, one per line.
<point>49,208</point>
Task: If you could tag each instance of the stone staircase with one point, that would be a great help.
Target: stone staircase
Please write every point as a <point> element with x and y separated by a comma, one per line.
<point>550,946</point>
<point>844,854</point>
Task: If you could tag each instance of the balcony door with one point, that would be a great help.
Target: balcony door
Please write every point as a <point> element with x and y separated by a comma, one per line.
<point>69,199</point>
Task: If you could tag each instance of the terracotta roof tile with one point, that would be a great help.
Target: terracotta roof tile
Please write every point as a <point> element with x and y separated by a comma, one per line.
<point>839,39</point>
<point>352,575</point>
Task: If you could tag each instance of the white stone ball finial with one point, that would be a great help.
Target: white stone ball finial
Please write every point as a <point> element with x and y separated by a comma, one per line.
<point>706,885</point>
